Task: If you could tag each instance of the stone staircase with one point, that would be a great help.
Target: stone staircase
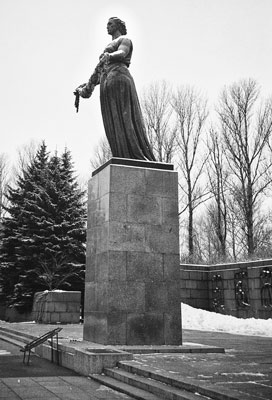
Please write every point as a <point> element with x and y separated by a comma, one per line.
<point>17,338</point>
<point>143,383</point>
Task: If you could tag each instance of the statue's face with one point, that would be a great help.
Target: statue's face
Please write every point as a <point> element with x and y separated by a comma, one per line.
<point>111,27</point>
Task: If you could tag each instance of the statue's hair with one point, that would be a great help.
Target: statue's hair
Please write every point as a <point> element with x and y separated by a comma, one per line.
<point>121,25</point>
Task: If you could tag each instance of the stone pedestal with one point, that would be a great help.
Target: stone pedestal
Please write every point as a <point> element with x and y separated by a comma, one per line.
<point>132,293</point>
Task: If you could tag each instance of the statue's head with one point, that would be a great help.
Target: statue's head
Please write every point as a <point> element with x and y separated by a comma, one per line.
<point>121,26</point>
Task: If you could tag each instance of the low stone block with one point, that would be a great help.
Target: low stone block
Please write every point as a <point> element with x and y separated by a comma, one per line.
<point>49,306</point>
<point>60,307</point>
<point>54,317</point>
<point>73,307</point>
<point>49,296</point>
<point>66,317</point>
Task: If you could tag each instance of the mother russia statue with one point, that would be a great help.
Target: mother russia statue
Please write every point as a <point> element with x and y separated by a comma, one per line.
<point>120,107</point>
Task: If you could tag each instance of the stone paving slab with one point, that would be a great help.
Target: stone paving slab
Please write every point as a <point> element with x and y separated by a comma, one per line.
<point>56,388</point>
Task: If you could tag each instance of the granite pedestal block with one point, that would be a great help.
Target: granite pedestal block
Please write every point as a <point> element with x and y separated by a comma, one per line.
<point>132,293</point>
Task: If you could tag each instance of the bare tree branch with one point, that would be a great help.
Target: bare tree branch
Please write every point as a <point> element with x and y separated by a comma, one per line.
<point>157,113</point>
<point>191,113</point>
<point>246,132</point>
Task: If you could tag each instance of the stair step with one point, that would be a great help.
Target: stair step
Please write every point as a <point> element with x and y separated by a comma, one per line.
<point>14,336</point>
<point>166,378</point>
<point>153,386</point>
<point>122,387</point>
<point>18,339</point>
<point>182,383</point>
<point>24,336</point>
<point>11,340</point>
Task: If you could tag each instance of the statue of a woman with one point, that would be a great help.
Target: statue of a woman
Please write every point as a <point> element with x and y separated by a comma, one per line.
<point>120,107</point>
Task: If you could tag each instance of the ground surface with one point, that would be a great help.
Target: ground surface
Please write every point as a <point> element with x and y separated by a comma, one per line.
<point>246,366</point>
<point>42,380</point>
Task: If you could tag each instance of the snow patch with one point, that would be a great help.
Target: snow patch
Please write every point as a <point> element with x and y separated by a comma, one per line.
<point>243,373</point>
<point>202,320</point>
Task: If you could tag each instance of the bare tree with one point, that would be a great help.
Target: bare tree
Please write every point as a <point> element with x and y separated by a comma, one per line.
<point>191,113</point>
<point>263,234</point>
<point>102,153</point>
<point>246,131</point>
<point>218,176</point>
<point>3,182</point>
<point>157,112</point>
<point>206,246</point>
<point>25,155</point>
<point>236,238</point>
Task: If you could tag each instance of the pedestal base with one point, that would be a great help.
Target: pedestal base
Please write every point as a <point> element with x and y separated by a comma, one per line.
<point>132,293</point>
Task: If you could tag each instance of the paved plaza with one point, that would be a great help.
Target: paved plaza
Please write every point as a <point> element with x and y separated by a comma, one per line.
<point>246,367</point>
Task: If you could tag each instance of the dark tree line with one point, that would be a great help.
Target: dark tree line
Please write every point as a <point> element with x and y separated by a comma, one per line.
<point>43,230</point>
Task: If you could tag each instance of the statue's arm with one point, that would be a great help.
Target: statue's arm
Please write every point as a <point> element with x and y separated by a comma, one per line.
<point>120,54</point>
<point>86,89</point>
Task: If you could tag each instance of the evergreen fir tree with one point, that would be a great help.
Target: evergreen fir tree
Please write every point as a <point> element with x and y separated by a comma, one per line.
<point>16,244</point>
<point>44,235</point>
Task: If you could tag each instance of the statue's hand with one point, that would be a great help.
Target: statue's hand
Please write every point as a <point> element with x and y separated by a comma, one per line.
<point>105,57</point>
<point>85,90</point>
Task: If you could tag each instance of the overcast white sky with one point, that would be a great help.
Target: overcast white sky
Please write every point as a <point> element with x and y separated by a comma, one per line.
<point>49,47</point>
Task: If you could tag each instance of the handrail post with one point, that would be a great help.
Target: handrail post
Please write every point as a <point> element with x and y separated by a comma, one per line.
<point>52,350</point>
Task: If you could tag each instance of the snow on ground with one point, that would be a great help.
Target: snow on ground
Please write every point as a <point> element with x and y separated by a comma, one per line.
<point>195,318</point>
